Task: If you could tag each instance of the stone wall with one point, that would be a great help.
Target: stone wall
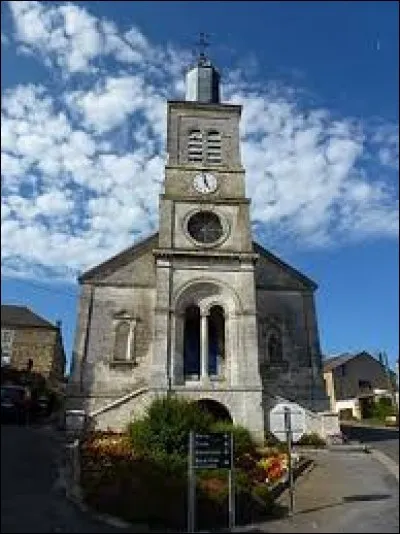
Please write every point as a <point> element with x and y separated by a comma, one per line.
<point>43,347</point>
<point>101,372</point>
<point>298,377</point>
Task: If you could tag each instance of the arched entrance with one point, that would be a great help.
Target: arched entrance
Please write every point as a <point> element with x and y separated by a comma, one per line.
<point>216,409</point>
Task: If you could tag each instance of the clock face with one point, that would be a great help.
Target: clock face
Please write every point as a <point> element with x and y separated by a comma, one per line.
<point>205,182</point>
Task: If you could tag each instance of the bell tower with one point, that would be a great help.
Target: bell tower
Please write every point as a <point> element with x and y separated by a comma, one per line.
<point>205,319</point>
<point>204,169</point>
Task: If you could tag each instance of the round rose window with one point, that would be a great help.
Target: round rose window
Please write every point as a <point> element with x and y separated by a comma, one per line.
<point>205,227</point>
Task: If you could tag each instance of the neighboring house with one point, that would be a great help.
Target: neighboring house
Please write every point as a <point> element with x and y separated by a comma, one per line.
<point>29,342</point>
<point>354,381</point>
<point>198,308</point>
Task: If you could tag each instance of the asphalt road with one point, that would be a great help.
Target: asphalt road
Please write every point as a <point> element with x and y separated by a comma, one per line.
<point>344,492</point>
<point>30,500</point>
<point>385,440</point>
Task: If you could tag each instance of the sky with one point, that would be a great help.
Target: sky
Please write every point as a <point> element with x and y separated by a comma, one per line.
<point>83,113</point>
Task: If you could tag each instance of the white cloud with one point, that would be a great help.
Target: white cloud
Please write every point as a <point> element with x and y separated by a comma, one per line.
<point>108,106</point>
<point>71,38</point>
<point>81,168</point>
<point>67,34</point>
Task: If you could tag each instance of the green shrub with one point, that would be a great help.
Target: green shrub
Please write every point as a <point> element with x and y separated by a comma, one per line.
<point>271,440</point>
<point>242,441</point>
<point>382,408</point>
<point>312,439</point>
<point>152,488</point>
<point>166,426</point>
<point>141,476</point>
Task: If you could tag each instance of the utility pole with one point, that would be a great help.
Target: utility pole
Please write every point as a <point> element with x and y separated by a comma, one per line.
<point>397,386</point>
<point>392,388</point>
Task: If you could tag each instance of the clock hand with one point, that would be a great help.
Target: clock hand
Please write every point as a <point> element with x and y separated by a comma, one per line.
<point>206,181</point>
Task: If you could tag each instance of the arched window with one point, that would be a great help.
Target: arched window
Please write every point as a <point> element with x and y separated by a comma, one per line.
<point>195,146</point>
<point>216,341</point>
<point>274,347</point>
<point>213,147</point>
<point>122,338</point>
<point>191,358</point>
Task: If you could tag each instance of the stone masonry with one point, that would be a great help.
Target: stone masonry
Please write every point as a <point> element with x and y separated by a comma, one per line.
<point>266,339</point>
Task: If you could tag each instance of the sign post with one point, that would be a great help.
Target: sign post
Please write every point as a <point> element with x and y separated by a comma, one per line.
<point>191,485</point>
<point>231,483</point>
<point>209,451</point>
<point>287,422</point>
<point>288,428</point>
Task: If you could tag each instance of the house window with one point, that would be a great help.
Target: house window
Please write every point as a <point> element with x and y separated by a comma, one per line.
<point>364,384</point>
<point>123,343</point>
<point>195,146</point>
<point>213,147</point>
<point>343,369</point>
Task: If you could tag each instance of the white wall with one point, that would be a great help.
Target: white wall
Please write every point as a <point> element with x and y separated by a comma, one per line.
<point>349,403</point>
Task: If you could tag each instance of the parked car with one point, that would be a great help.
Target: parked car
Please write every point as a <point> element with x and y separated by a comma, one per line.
<point>15,404</point>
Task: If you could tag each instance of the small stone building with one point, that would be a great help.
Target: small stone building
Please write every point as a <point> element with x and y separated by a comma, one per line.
<point>29,342</point>
<point>198,308</point>
<point>354,382</point>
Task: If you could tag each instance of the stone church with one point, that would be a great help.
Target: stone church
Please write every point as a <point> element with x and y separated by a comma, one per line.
<point>199,308</point>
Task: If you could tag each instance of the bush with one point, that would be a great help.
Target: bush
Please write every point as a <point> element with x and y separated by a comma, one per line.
<point>271,440</point>
<point>242,441</point>
<point>312,439</point>
<point>382,408</point>
<point>166,426</point>
<point>127,475</point>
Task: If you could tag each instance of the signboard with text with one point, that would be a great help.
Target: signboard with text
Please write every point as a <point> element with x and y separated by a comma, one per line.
<point>213,450</point>
<point>210,450</point>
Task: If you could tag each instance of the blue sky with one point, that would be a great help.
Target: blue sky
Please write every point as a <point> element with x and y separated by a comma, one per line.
<point>84,86</point>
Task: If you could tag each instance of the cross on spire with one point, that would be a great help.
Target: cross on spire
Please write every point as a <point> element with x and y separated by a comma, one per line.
<point>202,44</point>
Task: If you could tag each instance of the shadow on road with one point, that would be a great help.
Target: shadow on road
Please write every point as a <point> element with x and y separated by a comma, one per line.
<point>370,434</point>
<point>347,499</point>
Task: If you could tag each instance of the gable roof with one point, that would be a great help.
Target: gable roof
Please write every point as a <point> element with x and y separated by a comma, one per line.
<point>12,315</point>
<point>280,263</point>
<point>128,254</point>
<point>120,259</point>
<point>336,361</point>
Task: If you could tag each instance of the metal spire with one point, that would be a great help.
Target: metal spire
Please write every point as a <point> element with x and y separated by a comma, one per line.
<point>202,78</point>
<point>202,44</point>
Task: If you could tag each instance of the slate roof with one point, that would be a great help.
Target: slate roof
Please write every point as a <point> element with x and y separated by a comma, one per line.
<point>336,361</point>
<point>12,315</point>
<point>120,259</point>
<point>127,255</point>
<point>274,259</point>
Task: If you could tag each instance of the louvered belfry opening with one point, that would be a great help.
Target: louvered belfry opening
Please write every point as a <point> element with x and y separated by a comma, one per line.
<point>213,147</point>
<point>195,146</point>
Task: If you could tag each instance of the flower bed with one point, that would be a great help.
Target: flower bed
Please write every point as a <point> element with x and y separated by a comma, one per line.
<point>153,488</point>
<point>141,475</point>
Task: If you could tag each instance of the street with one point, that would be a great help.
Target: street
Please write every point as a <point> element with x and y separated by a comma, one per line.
<point>385,440</point>
<point>345,491</point>
<point>30,500</point>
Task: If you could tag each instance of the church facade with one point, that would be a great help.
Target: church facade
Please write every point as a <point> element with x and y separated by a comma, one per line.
<point>199,308</point>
